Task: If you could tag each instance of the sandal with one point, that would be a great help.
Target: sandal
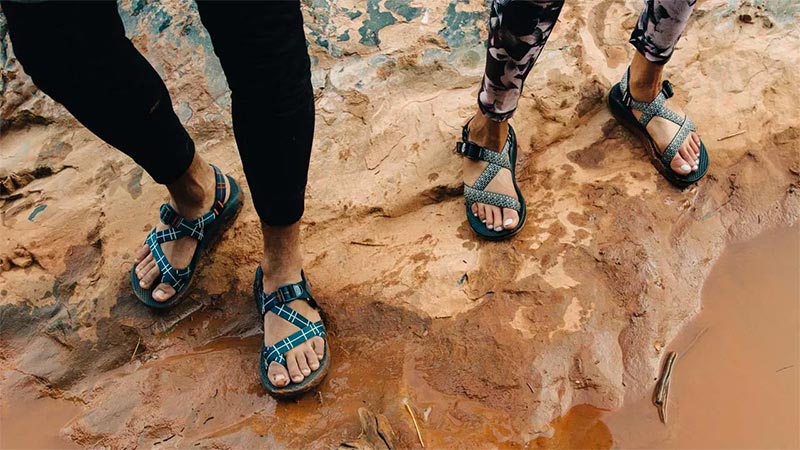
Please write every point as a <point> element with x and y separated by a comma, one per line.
<point>207,229</point>
<point>278,303</point>
<point>476,193</point>
<point>622,104</point>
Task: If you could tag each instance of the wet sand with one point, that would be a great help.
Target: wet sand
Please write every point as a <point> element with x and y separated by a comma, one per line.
<point>737,385</point>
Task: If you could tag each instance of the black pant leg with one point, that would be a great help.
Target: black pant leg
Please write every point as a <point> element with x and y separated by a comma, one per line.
<point>77,53</point>
<point>262,48</point>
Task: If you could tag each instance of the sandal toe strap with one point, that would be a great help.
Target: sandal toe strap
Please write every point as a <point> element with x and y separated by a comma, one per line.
<point>177,278</point>
<point>277,351</point>
<point>473,195</point>
<point>687,126</point>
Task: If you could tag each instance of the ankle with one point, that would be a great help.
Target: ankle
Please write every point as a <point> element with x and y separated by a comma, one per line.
<point>280,272</point>
<point>193,193</point>
<point>283,261</point>
<point>644,90</point>
<point>487,132</point>
<point>644,79</point>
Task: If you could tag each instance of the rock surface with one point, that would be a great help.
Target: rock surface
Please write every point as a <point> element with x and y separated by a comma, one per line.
<point>489,342</point>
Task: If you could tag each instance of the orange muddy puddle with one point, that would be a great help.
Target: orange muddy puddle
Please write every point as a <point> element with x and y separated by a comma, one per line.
<point>31,421</point>
<point>735,383</point>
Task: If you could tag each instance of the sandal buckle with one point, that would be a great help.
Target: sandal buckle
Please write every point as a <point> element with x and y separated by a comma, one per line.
<point>666,88</point>
<point>284,293</point>
<point>469,150</point>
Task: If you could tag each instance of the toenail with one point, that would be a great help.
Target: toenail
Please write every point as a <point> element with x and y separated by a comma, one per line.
<point>508,222</point>
<point>685,168</point>
<point>306,372</point>
<point>279,378</point>
<point>695,168</point>
<point>141,284</point>
<point>498,228</point>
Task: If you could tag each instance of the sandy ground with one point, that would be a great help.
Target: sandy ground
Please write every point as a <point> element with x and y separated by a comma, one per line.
<point>489,342</point>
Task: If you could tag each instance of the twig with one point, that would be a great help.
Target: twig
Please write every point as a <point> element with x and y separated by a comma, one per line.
<point>530,387</point>
<point>661,393</point>
<point>414,418</point>
<point>136,348</point>
<point>319,395</point>
<point>367,244</point>
<point>784,368</point>
<point>732,135</point>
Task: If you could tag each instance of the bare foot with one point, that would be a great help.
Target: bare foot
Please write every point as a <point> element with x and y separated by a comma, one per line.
<point>645,84</point>
<point>491,135</point>
<point>282,265</point>
<point>192,196</point>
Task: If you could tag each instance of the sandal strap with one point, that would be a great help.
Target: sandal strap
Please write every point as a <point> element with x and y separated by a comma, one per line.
<point>654,108</point>
<point>475,152</point>
<point>282,296</point>
<point>669,153</point>
<point>473,195</point>
<point>486,177</point>
<point>277,351</point>
<point>180,226</point>
<point>177,278</point>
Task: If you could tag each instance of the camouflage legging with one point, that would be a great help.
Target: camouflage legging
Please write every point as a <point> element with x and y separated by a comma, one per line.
<point>518,31</point>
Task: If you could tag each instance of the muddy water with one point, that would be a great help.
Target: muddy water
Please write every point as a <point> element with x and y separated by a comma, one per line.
<point>37,424</point>
<point>736,382</point>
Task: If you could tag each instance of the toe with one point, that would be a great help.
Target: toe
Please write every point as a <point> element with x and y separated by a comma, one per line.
<point>680,165</point>
<point>482,212</point>
<point>277,374</point>
<point>490,217</point>
<point>318,344</point>
<point>302,362</point>
<point>144,266</point>
<point>474,209</point>
<point>510,218</point>
<point>294,369</point>
<point>142,253</point>
<point>311,357</point>
<point>163,292</point>
<point>497,217</point>
<point>149,275</point>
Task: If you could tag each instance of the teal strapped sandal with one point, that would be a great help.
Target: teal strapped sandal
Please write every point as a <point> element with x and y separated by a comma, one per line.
<point>207,229</point>
<point>278,303</point>
<point>507,158</point>
<point>622,104</point>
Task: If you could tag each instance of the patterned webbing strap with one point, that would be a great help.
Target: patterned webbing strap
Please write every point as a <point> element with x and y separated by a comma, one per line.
<point>656,108</point>
<point>278,303</point>
<point>181,227</point>
<point>477,193</point>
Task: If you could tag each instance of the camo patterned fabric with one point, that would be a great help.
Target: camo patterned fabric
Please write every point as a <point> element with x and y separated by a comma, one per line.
<point>518,32</point>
